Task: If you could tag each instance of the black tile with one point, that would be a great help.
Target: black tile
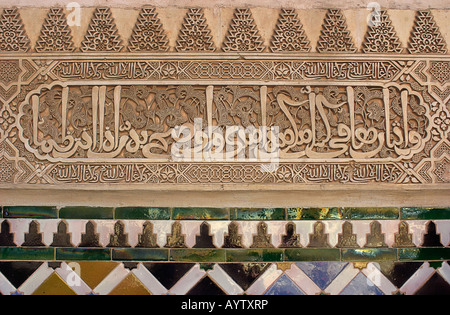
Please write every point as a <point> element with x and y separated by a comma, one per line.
<point>206,287</point>
<point>17,272</point>
<point>6,237</point>
<point>245,274</point>
<point>399,272</point>
<point>435,286</point>
<point>431,238</point>
<point>168,273</point>
<point>33,238</point>
<point>204,240</point>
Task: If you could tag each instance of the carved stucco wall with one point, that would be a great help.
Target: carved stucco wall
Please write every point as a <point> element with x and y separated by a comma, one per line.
<point>86,111</point>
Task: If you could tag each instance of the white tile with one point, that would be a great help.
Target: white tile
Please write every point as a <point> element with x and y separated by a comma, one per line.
<point>389,228</point>
<point>276,229</point>
<point>304,228</point>
<point>333,229</point>
<point>19,227</point>
<point>302,280</point>
<point>265,281</point>
<point>162,229</point>
<point>247,229</point>
<point>6,288</point>
<point>377,278</point>
<point>418,228</point>
<point>443,228</point>
<point>188,281</point>
<point>133,228</point>
<point>149,280</point>
<point>105,228</point>
<point>342,280</point>
<point>72,278</point>
<point>76,228</point>
<point>48,228</point>
<point>218,230</point>
<point>36,279</point>
<point>361,228</point>
<point>111,281</point>
<point>418,279</point>
<point>225,281</point>
<point>444,271</point>
<point>191,229</point>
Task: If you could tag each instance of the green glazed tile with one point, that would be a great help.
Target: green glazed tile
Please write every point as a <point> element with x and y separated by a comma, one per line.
<point>255,255</point>
<point>140,254</point>
<point>201,214</point>
<point>369,254</point>
<point>197,255</point>
<point>311,254</point>
<point>314,214</point>
<point>141,213</point>
<point>257,214</point>
<point>27,253</point>
<point>75,254</point>
<point>424,254</point>
<point>30,212</point>
<point>372,213</point>
<point>86,213</point>
<point>425,213</point>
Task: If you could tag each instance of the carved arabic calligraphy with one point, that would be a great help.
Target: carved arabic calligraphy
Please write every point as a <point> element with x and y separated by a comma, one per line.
<point>82,122</point>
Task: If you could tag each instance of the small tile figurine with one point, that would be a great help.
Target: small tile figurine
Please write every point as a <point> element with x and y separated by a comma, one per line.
<point>6,237</point>
<point>291,239</point>
<point>33,238</point>
<point>90,238</point>
<point>318,239</point>
<point>177,239</point>
<point>119,238</point>
<point>61,238</point>
<point>347,239</point>
<point>147,239</point>
<point>262,239</point>
<point>403,238</point>
<point>233,239</point>
<point>375,239</point>
<point>432,238</point>
<point>204,240</point>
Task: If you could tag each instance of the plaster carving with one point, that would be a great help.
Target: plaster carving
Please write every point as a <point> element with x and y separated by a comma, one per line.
<point>344,118</point>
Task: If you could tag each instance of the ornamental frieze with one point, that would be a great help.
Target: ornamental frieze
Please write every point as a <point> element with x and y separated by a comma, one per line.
<point>187,109</point>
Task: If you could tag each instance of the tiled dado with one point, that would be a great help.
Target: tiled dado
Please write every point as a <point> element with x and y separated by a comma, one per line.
<point>149,278</point>
<point>224,251</point>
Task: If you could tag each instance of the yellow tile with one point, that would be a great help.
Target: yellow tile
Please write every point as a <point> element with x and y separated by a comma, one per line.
<point>54,285</point>
<point>130,286</point>
<point>93,272</point>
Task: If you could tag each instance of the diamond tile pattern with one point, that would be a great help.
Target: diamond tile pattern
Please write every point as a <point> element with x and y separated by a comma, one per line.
<point>231,252</point>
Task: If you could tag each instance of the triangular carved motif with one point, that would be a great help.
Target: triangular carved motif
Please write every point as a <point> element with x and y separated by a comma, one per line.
<point>289,34</point>
<point>425,37</point>
<point>12,33</point>
<point>102,33</point>
<point>381,37</point>
<point>55,33</point>
<point>335,37</point>
<point>195,35</point>
<point>243,35</point>
<point>148,33</point>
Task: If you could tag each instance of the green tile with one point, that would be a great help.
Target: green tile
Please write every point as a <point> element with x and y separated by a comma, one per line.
<point>425,213</point>
<point>25,212</point>
<point>140,254</point>
<point>369,254</point>
<point>197,255</point>
<point>142,213</point>
<point>424,254</point>
<point>75,254</point>
<point>315,214</point>
<point>372,213</point>
<point>201,214</point>
<point>255,255</point>
<point>27,253</point>
<point>86,213</point>
<point>312,254</point>
<point>257,214</point>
